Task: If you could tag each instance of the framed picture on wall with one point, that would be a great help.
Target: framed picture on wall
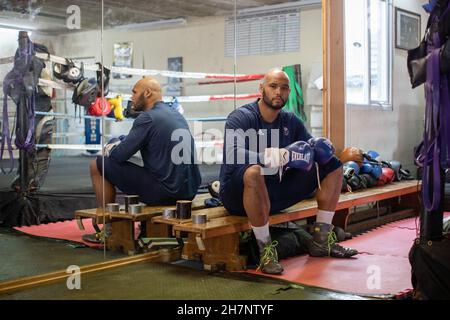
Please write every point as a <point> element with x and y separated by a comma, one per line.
<point>174,84</point>
<point>122,57</point>
<point>407,29</point>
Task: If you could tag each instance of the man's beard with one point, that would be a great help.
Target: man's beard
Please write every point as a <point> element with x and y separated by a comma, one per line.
<point>269,102</point>
<point>140,103</point>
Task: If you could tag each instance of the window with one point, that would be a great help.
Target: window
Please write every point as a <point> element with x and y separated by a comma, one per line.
<point>368,52</point>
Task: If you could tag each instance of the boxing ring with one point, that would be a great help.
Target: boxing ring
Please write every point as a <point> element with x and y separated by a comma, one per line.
<point>66,184</point>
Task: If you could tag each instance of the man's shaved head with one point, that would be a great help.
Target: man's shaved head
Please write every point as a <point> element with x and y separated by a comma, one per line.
<point>149,83</point>
<point>275,89</point>
<point>146,92</point>
<point>274,72</point>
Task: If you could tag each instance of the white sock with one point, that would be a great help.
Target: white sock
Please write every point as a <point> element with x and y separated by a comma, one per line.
<point>262,233</point>
<point>325,216</point>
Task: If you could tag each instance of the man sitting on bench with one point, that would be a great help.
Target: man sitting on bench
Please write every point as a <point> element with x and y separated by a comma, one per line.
<point>161,181</point>
<point>262,141</point>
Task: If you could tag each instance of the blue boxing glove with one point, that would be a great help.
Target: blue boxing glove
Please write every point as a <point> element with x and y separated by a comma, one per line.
<point>351,165</point>
<point>373,169</point>
<point>371,157</point>
<point>298,155</point>
<point>323,150</point>
<point>112,143</point>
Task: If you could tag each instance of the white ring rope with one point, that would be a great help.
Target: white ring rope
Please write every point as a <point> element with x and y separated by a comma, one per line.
<point>71,146</point>
<point>220,78</point>
<point>64,115</point>
<point>199,144</point>
<point>146,72</point>
<point>188,99</point>
<point>206,79</point>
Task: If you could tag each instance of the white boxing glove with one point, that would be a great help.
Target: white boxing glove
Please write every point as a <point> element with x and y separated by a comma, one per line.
<point>275,157</point>
<point>109,147</point>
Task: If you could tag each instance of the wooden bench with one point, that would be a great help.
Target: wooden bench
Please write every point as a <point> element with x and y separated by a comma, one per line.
<point>122,236</point>
<point>216,243</point>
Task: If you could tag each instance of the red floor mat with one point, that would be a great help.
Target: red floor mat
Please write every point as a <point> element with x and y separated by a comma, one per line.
<point>384,241</point>
<point>412,223</point>
<point>66,230</point>
<point>381,268</point>
<point>364,275</point>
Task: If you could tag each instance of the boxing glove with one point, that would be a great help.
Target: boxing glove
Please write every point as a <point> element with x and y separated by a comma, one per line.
<point>344,187</point>
<point>372,169</point>
<point>387,176</point>
<point>372,156</point>
<point>348,172</point>
<point>396,166</point>
<point>112,143</point>
<point>323,150</point>
<point>355,183</point>
<point>352,154</point>
<point>298,155</point>
<point>376,171</point>
<point>214,188</point>
<point>116,107</point>
<point>351,165</point>
<point>98,109</point>
<point>368,180</point>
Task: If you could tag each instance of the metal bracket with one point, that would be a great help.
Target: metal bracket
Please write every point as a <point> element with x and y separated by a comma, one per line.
<point>200,243</point>
<point>180,241</point>
<point>80,224</point>
<point>95,225</point>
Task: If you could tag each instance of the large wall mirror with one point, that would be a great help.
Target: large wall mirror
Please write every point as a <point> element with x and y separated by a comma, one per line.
<point>208,58</point>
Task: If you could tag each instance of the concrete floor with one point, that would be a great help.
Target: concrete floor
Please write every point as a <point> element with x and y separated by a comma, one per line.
<point>171,282</point>
<point>24,255</point>
<point>29,256</point>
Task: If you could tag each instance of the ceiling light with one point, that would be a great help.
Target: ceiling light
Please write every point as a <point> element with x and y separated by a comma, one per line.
<point>288,5</point>
<point>153,24</point>
<point>17,27</point>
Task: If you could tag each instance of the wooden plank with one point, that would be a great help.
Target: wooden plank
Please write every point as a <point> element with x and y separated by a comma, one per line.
<point>99,214</point>
<point>334,72</point>
<point>122,237</point>
<point>215,253</point>
<point>216,227</point>
<point>147,211</point>
<point>232,224</point>
<point>223,252</point>
<point>211,213</point>
<point>218,212</point>
<point>153,230</point>
<point>304,209</point>
<point>169,221</point>
<point>325,63</point>
<point>377,194</point>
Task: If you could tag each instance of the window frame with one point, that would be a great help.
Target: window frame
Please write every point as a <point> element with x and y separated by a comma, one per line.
<point>375,104</point>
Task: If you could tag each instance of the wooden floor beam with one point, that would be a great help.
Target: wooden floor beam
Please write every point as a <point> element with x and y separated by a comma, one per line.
<point>52,277</point>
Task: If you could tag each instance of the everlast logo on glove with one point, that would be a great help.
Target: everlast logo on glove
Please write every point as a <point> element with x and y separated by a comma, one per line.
<point>300,156</point>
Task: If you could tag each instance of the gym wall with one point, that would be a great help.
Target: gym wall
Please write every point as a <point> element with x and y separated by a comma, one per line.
<point>201,45</point>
